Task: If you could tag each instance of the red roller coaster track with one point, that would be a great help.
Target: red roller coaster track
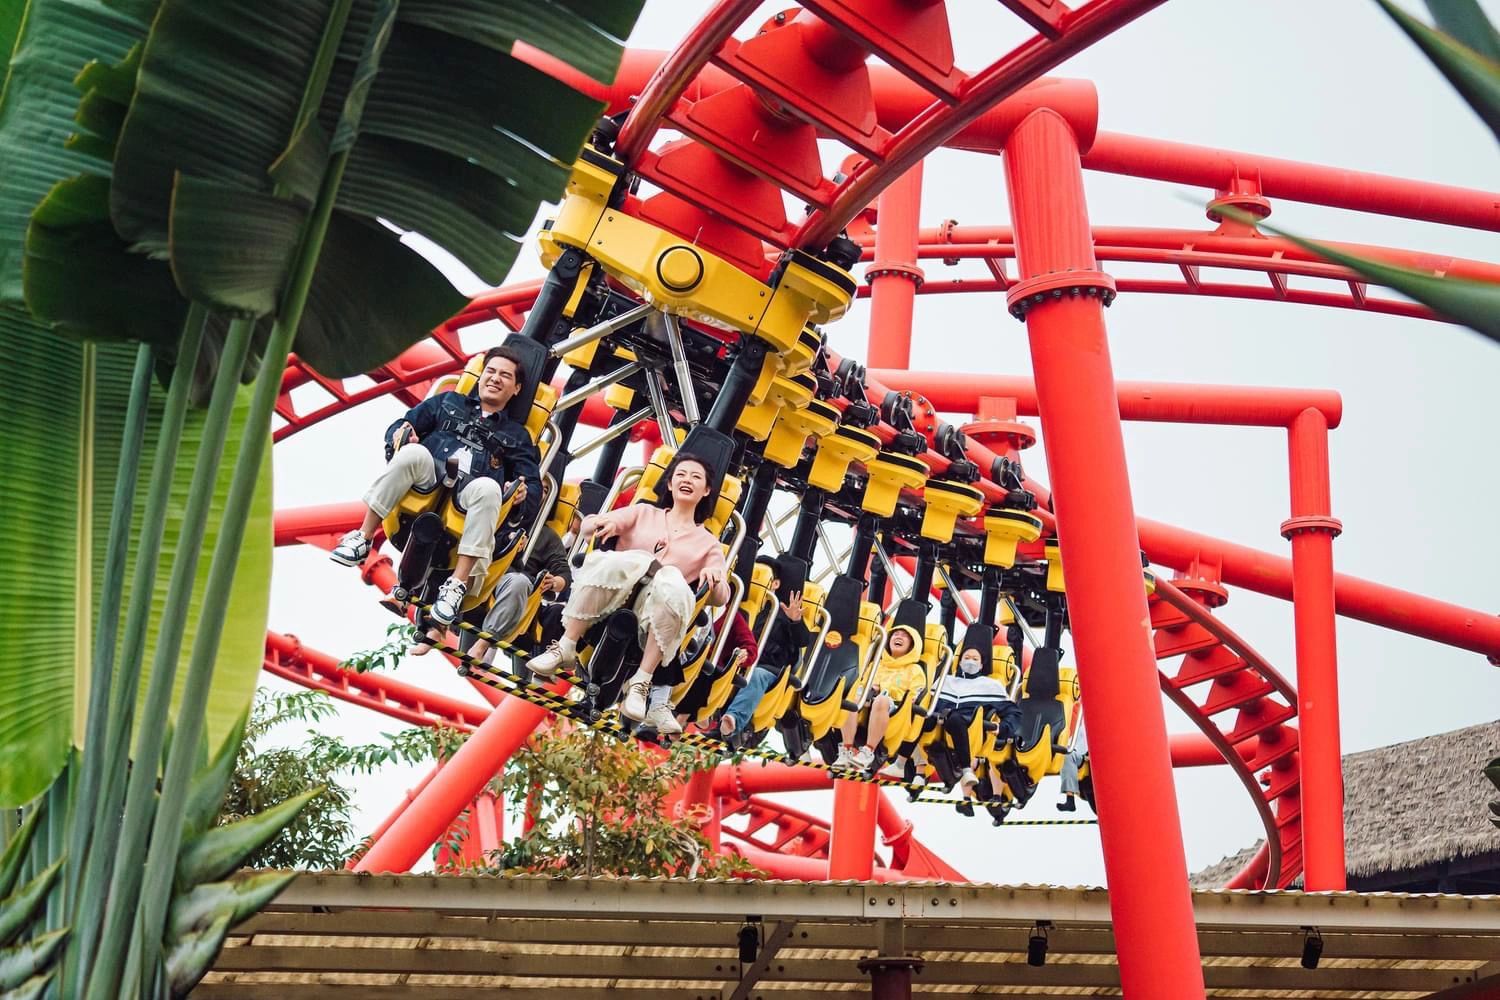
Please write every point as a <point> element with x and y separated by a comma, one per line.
<point>751,107</point>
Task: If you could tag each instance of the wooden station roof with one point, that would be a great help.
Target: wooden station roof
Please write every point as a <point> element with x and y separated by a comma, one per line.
<point>343,934</point>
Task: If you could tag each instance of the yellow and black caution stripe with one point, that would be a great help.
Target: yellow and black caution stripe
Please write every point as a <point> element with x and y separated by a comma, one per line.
<point>611,724</point>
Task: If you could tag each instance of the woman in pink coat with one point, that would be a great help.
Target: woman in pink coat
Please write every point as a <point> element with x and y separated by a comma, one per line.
<point>669,533</point>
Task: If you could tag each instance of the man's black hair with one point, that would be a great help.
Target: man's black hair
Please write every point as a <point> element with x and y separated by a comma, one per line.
<point>509,354</point>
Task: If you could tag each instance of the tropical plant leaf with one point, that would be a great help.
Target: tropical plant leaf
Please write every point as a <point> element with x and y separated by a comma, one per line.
<point>1476,78</point>
<point>238,898</point>
<point>43,638</point>
<point>1475,304</point>
<point>37,103</point>
<point>21,908</point>
<point>364,303</point>
<point>586,34</point>
<point>459,141</point>
<point>231,246</point>
<point>21,962</point>
<point>80,278</point>
<point>1465,21</point>
<point>189,959</point>
<point>216,99</point>
<point>243,645</point>
<point>212,781</point>
<point>32,988</point>
<point>14,855</point>
<point>219,850</point>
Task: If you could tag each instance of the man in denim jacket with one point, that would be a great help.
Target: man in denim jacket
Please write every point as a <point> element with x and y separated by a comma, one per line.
<point>492,450</point>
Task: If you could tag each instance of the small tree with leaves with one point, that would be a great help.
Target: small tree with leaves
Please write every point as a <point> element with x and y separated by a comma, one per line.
<point>602,807</point>
<point>322,836</point>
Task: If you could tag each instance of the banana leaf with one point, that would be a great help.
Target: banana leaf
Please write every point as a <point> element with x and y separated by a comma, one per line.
<point>1473,75</point>
<point>458,141</point>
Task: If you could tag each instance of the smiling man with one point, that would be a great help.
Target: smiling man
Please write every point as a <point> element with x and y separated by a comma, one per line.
<point>492,450</point>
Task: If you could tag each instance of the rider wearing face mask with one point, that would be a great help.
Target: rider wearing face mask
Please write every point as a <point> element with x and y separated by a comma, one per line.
<point>972,689</point>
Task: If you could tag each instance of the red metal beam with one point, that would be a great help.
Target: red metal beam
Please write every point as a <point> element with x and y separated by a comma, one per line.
<point>1144,859</point>
<point>1311,530</point>
<point>939,121</point>
<point>1180,163</point>
<point>1169,402</point>
<point>676,71</point>
<point>288,658</point>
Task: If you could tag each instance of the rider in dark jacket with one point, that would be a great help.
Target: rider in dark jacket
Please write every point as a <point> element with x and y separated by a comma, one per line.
<point>491,450</point>
<point>502,447</point>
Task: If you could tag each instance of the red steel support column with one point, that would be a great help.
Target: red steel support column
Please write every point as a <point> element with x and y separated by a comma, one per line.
<point>1061,295</point>
<point>1311,530</point>
<point>851,852</point>
<point>455,784</point>
<point>894,275</point>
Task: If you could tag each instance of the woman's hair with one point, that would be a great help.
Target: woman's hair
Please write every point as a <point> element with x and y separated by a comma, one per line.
<point>664,487</point>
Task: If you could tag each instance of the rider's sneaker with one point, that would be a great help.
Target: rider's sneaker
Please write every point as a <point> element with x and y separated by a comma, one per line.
<point>351,549</point>
<point>662,720</point>
<point>450,596</point>
<point>546,664</point>
<point>845,757</point>
<point>634,705</point>
<point>919,780</point>
<point>968,780</point>
<point>863,758</point>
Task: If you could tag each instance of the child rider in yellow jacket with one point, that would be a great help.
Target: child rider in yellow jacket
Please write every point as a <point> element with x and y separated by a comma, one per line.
<point>900,672</point>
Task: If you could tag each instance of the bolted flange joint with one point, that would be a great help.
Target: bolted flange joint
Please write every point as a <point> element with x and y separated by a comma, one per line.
<point>1027,295</point>
<point>908,271</point>
<point>1311,522</point>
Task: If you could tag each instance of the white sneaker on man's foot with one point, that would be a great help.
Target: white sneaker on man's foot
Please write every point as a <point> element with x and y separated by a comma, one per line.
<point>862,759</point>
<point>351,549</point>
<point>968,780</point>
<point>662,720</point>
<point>450,597</point>
<point>845,757</point>
<point>634,705</point>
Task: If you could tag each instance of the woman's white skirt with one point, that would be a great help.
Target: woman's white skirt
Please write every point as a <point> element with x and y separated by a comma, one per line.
<point>665,606</point>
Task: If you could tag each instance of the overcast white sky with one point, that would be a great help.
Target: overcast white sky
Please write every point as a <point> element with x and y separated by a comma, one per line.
<point>1414,478</point>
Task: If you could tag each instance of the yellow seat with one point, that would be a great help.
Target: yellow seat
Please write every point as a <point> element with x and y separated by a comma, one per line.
<point>889,473</point>
<point>836,452</point>
<point>946,502</point>
<point>1004,529</point>
<point>813,419</point>
<point>568,495</point>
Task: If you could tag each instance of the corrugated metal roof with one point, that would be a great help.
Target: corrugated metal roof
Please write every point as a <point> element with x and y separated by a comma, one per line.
<point>341,934</point>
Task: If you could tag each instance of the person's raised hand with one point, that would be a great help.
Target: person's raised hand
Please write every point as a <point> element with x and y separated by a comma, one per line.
<point>793,606</point>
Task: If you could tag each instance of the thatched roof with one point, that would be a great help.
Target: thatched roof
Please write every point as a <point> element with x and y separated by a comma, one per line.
<point>1407,806</point>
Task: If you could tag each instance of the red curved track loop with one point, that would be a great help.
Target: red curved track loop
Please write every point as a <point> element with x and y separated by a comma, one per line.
<point>805,77</point>
<point>288,659</point>
<point>1238,681</point>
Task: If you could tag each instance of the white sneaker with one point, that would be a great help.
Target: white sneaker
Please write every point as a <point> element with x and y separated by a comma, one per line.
<point>920,779</point>
<point>547,664</point>
<point>634,705</point>
<point>845,757</point>
<point>662,720</point>
<point>351,549</point>
<point>862,759</point>
<point>968,780</point>
<point>450,596</point>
